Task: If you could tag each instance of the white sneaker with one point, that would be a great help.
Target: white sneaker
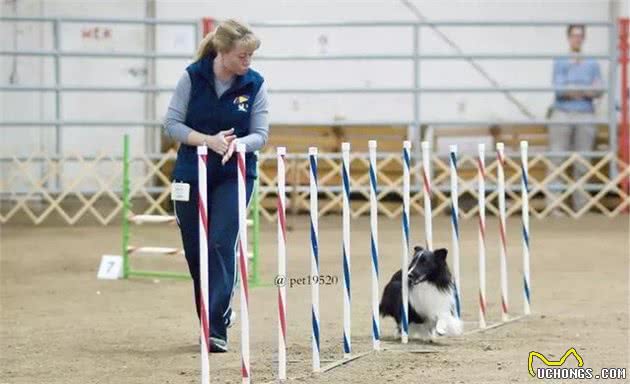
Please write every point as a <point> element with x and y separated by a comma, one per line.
<point>218,345</point>
<point>232,319</point>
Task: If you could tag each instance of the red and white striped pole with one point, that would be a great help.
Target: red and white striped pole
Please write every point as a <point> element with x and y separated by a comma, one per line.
<point>502,231</point>
<point>282,267</point>
<point>242,261</point>
<point>202,204</point>
<point>481,180</point>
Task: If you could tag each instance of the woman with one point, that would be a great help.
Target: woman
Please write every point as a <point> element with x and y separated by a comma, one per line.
<point>218,101</point>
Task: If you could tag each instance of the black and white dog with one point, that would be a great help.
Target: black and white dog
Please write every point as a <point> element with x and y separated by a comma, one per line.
<point>431,297</point>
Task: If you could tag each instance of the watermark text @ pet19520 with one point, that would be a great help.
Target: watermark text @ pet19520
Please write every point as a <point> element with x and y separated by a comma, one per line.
<point>282,280</point>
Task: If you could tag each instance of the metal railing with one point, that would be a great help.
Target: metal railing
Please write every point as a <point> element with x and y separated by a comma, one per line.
<point>58,54</point>
<point>416,57</point>
<point>416,90</point>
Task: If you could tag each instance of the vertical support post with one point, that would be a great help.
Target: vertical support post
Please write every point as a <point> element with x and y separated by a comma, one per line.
<point>416,76</point>
<point>152,133</point>
<point>197,31</point>
<point>207,24</point>
<point>58,101</point>
<point>125,206</point>
<point>416,96</point>
<point>624,57</point>
<point>255,277</point>
<point>613,137</point>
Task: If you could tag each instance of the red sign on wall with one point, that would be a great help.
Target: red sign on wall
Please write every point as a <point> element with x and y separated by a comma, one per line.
<point>96,33</point>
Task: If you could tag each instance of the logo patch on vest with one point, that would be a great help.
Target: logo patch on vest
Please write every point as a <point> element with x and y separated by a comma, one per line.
<point>242,103</point>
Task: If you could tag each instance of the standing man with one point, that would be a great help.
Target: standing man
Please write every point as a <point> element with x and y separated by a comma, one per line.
<point>574,106</point>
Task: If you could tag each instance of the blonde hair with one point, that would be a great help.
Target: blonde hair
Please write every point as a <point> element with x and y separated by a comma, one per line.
<point>225,37</point>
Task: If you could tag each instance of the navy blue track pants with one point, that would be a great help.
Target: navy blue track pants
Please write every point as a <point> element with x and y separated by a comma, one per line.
<point>223,234</point>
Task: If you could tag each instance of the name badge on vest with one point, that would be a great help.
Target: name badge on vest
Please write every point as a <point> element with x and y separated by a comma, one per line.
<point>180,191</point>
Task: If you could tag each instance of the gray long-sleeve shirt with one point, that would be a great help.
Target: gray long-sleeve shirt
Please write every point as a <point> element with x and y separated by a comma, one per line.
<point>176,113</point>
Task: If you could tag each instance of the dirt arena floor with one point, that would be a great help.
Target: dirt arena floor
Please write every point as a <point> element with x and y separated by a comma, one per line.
<point>59,324</point>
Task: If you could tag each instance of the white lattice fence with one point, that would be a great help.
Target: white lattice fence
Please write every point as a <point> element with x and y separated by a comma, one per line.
<point>91,186</point>
<point>41,188</point>
<point>551,185</point>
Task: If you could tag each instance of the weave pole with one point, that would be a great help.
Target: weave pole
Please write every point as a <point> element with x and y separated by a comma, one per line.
<point>376,337</point>
<point>525,216</point>
<point>426,178</point>
<point>242,258</point>
<point>126,206</point>
<point>347,296</point>
<point>312,156</point>
<point>503,245</point>
<point>404,331</point>
<point>481,195</point>
<point>202,206</point>
<point>455,228</point>
<point>282,266</point>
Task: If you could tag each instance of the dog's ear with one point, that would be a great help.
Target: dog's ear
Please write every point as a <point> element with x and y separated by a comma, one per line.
<point>440,253</point>
<point>417,249</point>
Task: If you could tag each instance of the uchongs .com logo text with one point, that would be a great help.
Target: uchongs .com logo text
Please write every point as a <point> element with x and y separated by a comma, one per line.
<point>556,369</point>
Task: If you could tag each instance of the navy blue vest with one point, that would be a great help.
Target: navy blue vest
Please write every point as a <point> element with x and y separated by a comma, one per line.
<point>209,114</point>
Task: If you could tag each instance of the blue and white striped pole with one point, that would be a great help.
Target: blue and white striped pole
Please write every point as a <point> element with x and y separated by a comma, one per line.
<point>345,178</point>
<point>525,214</point>
<point>455,227</point>
<point>374,246</point>
<point>404,332</point>
<point>312,157</point>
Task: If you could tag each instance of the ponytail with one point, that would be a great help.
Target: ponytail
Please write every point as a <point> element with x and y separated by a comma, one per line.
<point>206,46</point>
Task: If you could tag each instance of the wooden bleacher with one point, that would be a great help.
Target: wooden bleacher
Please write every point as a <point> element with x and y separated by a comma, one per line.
<point>328,139</point>
<point>298,138</point>
<point>511,136</point>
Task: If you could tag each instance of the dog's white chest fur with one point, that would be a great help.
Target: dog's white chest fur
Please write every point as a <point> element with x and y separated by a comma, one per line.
<point>436,307</point>
<point>430,302</point>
